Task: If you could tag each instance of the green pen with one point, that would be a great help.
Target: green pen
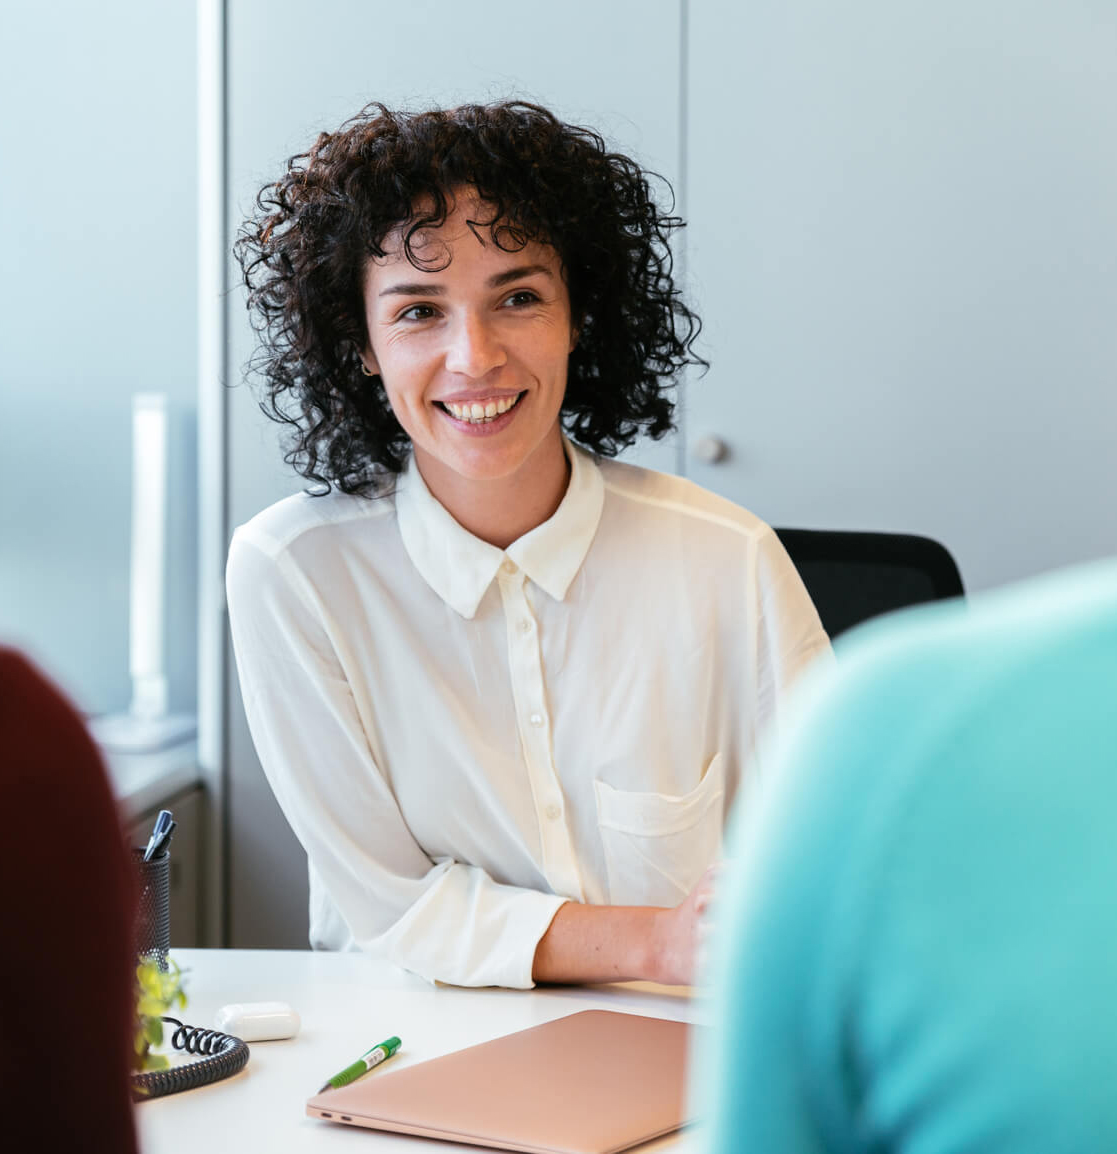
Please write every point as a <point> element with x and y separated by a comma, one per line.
<point>363,1064</point>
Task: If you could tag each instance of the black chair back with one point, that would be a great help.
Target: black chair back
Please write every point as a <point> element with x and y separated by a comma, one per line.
<point>854,576</point>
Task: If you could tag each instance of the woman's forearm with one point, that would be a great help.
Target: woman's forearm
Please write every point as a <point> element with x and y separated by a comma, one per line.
<point>626,943</point>
<point>605,944</point>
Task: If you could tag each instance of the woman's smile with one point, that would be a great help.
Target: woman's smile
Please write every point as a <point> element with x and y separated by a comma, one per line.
<point>481,411</point>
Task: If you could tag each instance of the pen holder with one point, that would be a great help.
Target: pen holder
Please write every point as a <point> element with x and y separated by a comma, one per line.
<point>153,917</point>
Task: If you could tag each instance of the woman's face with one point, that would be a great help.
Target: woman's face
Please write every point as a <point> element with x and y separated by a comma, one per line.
<point>473,356</point>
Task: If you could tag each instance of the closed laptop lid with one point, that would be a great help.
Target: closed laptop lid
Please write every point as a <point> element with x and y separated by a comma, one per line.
<point>588,1083</point>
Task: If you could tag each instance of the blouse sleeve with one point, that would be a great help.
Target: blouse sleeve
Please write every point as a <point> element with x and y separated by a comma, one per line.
<point>444,920</point>
<point>789,633</point>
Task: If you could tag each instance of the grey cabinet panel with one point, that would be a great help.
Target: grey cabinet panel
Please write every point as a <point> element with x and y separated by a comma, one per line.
<point>295,70</point>
<point>904,244</point>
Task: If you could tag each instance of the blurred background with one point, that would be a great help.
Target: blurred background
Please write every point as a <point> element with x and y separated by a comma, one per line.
<point>902,240</point>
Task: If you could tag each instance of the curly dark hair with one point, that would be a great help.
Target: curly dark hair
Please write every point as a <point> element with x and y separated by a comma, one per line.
<point>304,252</point>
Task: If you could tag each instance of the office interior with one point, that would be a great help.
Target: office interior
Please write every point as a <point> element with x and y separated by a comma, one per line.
<point>900,237</point>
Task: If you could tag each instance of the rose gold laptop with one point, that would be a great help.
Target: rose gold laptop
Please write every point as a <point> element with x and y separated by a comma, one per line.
<point>588,1083</point>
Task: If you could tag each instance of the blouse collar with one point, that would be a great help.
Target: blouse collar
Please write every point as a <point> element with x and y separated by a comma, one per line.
<point>460,567</point>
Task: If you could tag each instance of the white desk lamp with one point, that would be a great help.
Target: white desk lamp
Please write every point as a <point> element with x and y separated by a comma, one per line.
<point>147,726</point>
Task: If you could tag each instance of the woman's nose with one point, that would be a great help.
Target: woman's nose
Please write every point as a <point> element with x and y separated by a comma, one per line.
<point>474,349</point>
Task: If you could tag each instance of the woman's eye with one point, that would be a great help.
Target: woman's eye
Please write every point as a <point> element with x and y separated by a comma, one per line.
<point>522,297</point>
<point>417,313</point>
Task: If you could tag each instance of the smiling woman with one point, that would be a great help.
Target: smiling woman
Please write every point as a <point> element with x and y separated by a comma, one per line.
<point>506,704</point>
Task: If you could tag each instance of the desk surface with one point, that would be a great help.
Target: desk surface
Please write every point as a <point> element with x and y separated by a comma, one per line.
<point>349,1002</point>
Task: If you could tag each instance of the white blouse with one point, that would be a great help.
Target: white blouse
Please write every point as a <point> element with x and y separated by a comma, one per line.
<point>463,738</point>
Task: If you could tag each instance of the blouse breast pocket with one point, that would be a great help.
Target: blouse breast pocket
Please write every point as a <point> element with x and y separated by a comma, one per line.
<point>656,845</point>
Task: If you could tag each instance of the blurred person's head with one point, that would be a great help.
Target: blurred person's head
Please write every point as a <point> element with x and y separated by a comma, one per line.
<point>67,968</point>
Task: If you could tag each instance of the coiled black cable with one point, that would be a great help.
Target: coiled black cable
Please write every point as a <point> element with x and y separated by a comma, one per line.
<point>221,1056</point>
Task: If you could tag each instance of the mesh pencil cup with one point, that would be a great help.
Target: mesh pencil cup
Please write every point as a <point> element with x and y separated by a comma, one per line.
<point>153,917</point>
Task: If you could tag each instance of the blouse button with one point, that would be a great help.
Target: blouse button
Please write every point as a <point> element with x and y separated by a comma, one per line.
<point>509,566</point>
<point>554,811</point>
<point>537,720</point>
<point>525,626</point>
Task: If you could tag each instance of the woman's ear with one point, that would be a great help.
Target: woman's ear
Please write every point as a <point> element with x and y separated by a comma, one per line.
<point>369,364</point>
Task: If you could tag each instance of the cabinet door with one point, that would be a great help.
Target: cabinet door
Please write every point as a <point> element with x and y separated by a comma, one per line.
<point>296,69</point>
<point>904,246</point>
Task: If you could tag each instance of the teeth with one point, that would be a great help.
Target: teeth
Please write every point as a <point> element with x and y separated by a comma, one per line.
<point>476,414</point>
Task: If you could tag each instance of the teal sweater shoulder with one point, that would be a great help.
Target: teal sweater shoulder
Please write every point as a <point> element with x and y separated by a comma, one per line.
<point>918,934</point>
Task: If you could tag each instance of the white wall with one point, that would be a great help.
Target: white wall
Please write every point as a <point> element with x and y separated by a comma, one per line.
<point>97,301</point>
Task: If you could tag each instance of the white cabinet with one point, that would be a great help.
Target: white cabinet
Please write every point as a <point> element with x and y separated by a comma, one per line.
<point>903,243</point>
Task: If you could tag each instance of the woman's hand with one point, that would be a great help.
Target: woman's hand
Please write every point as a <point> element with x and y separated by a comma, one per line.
<point>682,933</point>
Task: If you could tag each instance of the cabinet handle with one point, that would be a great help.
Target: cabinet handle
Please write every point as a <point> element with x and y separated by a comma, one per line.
<point>710,449</point>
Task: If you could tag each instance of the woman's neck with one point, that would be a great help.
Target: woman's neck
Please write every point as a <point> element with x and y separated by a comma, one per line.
<point>500,510</point>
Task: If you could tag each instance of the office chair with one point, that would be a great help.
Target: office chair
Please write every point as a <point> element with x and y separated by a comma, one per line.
<point>854,576</point>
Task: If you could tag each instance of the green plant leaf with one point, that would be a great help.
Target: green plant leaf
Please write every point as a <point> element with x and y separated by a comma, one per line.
<point>157,991</point>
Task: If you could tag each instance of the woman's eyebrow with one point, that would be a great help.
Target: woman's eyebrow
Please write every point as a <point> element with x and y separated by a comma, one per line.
<point>413,290</point>
<point>436,290</point>
<point>522,270</point>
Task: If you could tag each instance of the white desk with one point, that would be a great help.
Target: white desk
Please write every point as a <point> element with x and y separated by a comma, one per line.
<point>348,1002</point>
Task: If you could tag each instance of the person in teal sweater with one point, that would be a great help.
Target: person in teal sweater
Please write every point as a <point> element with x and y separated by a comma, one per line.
<point>915,943</point>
